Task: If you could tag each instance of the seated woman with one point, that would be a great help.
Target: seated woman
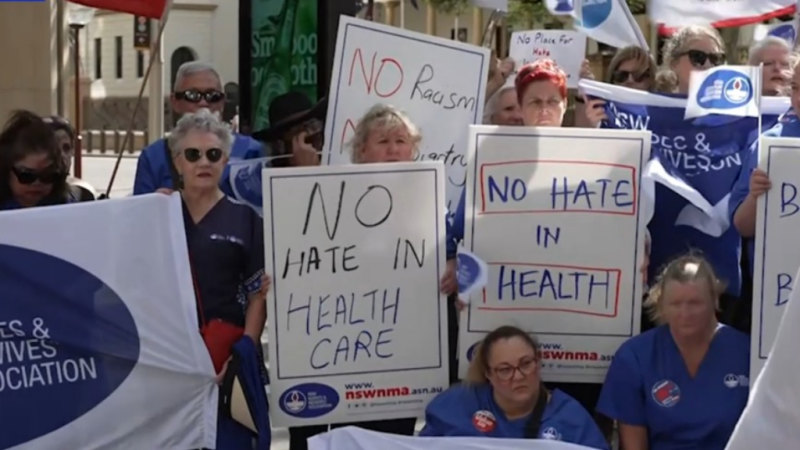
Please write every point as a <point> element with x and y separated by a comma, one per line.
<point>226,249</point>
<point>684,384</point>
<point>32,170</point>
<point>505,398</point>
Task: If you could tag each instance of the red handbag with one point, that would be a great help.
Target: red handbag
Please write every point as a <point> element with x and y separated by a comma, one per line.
<point>218,335</point>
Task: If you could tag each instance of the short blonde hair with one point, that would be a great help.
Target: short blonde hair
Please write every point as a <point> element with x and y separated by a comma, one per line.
<point>644,61</point>
<point>381,116</point>
<point>677,45</point>
<point>684,269</point>
<point>754,54</point>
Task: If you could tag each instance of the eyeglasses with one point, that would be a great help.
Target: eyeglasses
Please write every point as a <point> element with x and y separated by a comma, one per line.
<point>506,372</point>
<point>27,176</point>
<point>698,58</point>
<point>194,154</point>
<point>196,95</point>
<point>621,76</point>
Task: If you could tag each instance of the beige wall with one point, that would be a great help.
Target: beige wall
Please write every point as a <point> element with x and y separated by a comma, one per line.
<point>29,77</point>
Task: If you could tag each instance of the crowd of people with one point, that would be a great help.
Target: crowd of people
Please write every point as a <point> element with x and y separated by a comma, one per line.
<point>667,388</point>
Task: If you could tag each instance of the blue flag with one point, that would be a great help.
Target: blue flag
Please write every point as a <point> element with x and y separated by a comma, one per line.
<point>694,163</point>
<point>729,90</point>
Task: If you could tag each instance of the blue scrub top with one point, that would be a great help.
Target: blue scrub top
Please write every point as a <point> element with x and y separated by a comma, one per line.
<point>226,250</point>
<point>788,126</point>
<point>152,169</point>
<point>470,410</point>
<point>648,385</point>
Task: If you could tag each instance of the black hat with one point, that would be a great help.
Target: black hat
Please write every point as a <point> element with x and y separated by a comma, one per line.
<point>288,110</point>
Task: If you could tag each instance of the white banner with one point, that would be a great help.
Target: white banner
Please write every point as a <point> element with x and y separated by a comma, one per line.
<point>439,83</point>
<point>352,438</point>
<point>609,22</point>
<point>556,213</point>
<point>357,326</point>
<point>677,13</point>
<point>99,341</point>
<point>777,250</point>
<point>771,418</point>
<point>566,48</point>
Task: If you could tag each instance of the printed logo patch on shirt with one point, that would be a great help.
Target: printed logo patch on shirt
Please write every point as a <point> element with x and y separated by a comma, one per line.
<point>733,381</point>
<point>220,237</point>
<point>666,393</point>
<point>484,421</point>
<point>550,434</point>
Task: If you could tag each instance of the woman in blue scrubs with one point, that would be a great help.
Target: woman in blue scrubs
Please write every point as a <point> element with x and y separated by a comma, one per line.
<point>226,250</point>
<point>504,397</point>
<point>684,384</point>
<point>32,169</point>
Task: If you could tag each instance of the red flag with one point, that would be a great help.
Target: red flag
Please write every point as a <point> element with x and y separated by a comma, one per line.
<point>147,8</point>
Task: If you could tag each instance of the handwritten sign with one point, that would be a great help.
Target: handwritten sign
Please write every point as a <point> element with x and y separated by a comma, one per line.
<point>556,215</point>
<point>357,326</point>
<point>439,83</point>
<point>565,48</point>
<point>777,253</point>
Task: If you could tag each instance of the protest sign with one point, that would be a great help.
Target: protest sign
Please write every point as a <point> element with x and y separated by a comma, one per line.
<point>98,329</point>
<point>353,438</point>
<point>556,215</point>
<point>777,253</point>
<point>566,48</point>
<point>771,418</point>
<point>439,83</point>
<point>677,13</point>
<point>357,326</point>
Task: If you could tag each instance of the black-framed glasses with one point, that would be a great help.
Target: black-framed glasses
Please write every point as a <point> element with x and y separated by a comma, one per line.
<point>194,154</point>
<point>27,176</point>
<point>698,58</point>
<point>196,95</point>
<point>621,76</point>
<point>525,367</point>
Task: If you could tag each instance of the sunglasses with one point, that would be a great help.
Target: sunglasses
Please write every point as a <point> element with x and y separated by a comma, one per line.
<point>621,76</point>
<point>195,96</point>
<point>698,58</point>
<point>27,176</point>
<point>194,154</point>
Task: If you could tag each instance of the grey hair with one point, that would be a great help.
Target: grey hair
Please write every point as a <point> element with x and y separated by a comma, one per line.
<point>204,121</point>
<point>381,116</point>
<point>754,55</point>
<point>666,79</point>
<point>493,104</point>
<point>192,68</point>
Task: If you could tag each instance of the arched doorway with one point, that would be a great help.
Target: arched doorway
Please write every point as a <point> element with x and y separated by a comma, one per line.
<point>180,56</point>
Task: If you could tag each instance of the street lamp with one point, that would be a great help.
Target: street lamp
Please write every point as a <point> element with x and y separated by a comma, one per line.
<point>78,17</point>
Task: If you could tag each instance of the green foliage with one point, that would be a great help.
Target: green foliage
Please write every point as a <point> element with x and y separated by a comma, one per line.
<point>450,6</point>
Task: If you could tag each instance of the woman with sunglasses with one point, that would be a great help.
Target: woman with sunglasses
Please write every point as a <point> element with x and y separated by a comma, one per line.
<point>504,397</point>
<point>631,67</point>
<point>32,170</point>
<point>79,190</point>
<point>694,47</point>
<point>226,249</point>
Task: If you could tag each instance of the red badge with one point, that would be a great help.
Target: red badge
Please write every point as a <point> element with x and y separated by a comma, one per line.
<point>484,421</point>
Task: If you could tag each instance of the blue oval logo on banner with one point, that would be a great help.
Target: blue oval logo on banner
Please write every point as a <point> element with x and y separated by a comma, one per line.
<point>67,342</point>
<point>595,12</point>
<point>785,31</point>
<point>725,89</point>
<point>309,400</point>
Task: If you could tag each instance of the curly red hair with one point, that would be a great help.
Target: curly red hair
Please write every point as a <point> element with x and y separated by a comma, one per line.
<point>541,70</point>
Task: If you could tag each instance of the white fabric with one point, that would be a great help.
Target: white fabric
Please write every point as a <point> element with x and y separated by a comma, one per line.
<point>136,247</point>
<point>613,24</point>
<point>677,13</point>
<point>771,419</point>
<point>352,438</point>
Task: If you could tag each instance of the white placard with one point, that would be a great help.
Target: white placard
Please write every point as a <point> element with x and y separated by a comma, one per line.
<point>439,83</point>
<point>566,48</point>
<point>357,326</point>
<point>777,252</point>
<point>556,214</point>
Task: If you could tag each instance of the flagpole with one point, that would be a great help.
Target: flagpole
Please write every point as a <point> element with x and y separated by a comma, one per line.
<point>155,49</point>
<point>403,14</point>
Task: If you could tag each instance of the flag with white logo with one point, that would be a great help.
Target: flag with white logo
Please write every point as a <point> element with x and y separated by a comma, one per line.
<point>99,346</point>
<point>609,22</point>
<point>729,90</point>
<point>720,14</point>
<point>559,7</point>
<point>784,30</point>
